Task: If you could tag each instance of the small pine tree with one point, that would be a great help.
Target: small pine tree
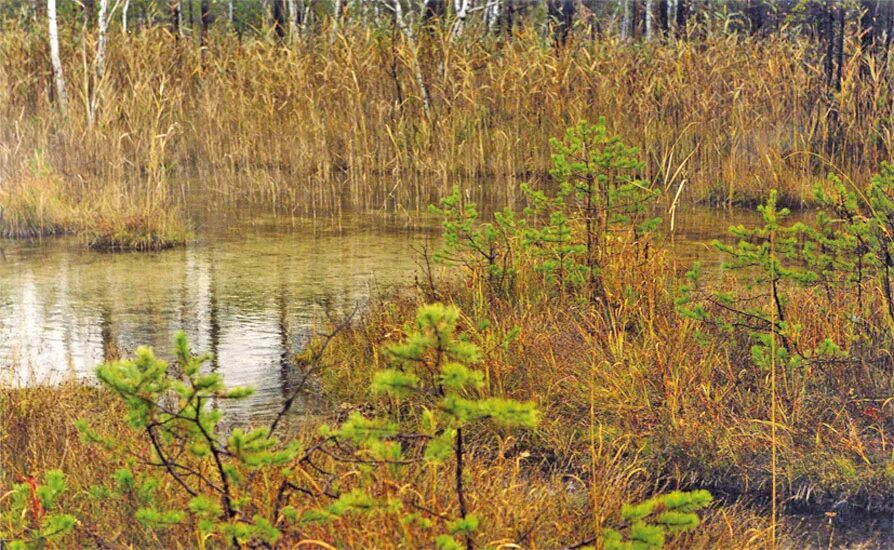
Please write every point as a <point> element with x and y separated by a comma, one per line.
<point>33,514</point>
<point>432,370</point>
<point>855,236</point>
<point>187,443</point>
<point>481,247</point>
<point>599,192</point>
<point>765,258</point>
<point>648,524</point>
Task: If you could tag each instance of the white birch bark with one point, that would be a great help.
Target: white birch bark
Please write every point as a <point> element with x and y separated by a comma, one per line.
<point>293,19</point>
<point>102,22</point>
<point>180,18</point>
<point>411,41</point>
<point>230,12</point>
<point>492,12</point>
<point>305,21</point>
<point>335,17</point>
<point>99,60</point>
<point>671,14</point>
<point>56,59</point>
<point>649,17</point>
<point>124,11</point>
<point>462,13</point>
<point>627,19</point>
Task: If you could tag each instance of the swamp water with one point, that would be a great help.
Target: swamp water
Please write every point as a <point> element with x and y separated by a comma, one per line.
<point>253,288</point>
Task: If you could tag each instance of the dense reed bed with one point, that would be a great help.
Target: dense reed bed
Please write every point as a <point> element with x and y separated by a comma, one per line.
<point>731,115</point>
<point>638,391</point>
<point>610,373</point>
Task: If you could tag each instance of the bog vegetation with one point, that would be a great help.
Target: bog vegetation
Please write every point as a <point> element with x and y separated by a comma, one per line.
<point>568,383</point>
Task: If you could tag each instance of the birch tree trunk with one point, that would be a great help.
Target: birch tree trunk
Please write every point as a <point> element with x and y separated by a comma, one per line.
<point>294,18</point>
<point>627,22</point>
<point>671,14</point>
<point>493,15</point>
<point>649,14</point>
<point>103,23</point>
<point>180,18</point>
<point>99,61</point>
<point>124,16</point>
<point>462,13</point>
<point>335,16</point>
<point>56,59</point>
<point>411,41</point>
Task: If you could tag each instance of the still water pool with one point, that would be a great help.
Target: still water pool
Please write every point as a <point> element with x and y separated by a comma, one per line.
<point>252,289</point>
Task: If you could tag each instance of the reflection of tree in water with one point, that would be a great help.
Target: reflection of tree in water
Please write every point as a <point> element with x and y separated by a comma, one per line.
<point>213,318</point>
<point>110,350</point>
<point>289,343</point>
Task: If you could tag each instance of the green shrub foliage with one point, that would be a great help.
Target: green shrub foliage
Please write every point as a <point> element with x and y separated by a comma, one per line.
<point>648,524</point>
<point>569,235</point>
<point>33,512</point>
<point>174,407</point>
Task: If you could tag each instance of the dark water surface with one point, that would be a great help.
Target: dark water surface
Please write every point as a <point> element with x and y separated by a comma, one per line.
<point>252,288</point>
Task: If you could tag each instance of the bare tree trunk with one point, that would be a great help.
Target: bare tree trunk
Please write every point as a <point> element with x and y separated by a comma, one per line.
<point>627,22</point>
<point>661,17</point>
<point>561,17</point>
<point>279,18</point>
<point>230,12</point>
<point>124,16</point>
<point>649,13</point>
<point>493,15</point>
<point>867,33</point>
<point>672,6</point>
<point>56,59</point>
<point>308,13</point>
<point>682,13</point>
<point>411,40</point>
<point>180,31</point>
<point>294,19</point>
<point>205,15</point>
<point>462,13</point>
<point>103,22</point>
<point>100,59</point>
<point>335,15</point>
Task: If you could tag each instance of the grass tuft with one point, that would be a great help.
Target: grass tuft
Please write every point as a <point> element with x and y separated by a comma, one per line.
<point>35,206</point>
<point>136,228</point>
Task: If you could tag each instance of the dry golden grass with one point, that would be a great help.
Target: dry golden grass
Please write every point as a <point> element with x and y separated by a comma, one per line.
<point>35,206</point>
<point>519,500</point>
<point>42,205</point>
<point>683,400</point>
<point>731,115</point>
<point>635,399</point>
<point>133,226</point>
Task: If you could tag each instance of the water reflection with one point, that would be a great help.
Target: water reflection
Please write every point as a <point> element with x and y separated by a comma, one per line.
<point>251,296</point>
<point>250,290</point>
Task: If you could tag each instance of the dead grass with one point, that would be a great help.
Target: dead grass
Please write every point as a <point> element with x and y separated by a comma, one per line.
<point>731,115</point>
<point>38,203</point>
<point>134,227</point>
<point>520,497</point>
<point>35,206</point>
